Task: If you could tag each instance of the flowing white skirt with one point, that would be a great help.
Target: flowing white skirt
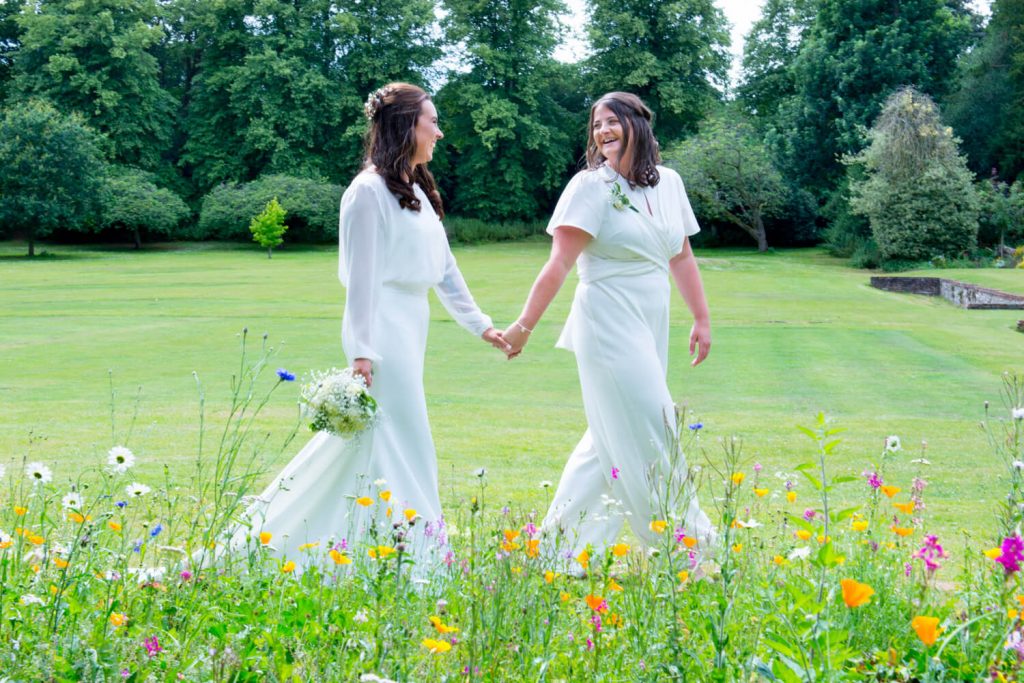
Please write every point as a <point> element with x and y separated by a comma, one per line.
<point>622,467</point>
<point>313,498</point>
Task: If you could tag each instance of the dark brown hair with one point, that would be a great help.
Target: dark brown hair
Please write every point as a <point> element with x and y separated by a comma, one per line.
<point>637,137</point>
<point>391,141</point>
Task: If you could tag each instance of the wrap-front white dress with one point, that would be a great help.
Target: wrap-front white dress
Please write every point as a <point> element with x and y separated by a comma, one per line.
<point>390,258</point>
<point>618,329</point>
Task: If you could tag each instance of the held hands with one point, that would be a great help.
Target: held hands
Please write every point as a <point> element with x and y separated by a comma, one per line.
<point>497,340</point>
<point>700,340</point>
<point>516,335</point>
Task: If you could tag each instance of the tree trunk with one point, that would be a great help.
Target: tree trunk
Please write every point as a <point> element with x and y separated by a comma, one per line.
<point>762,238</point>
<point>137,237</point>
<point>31,247</point>
<point>269,250</point>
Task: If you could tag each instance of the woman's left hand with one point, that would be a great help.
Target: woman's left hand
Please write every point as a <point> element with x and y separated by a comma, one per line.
<point>700,341</point>
<point>495,339</point>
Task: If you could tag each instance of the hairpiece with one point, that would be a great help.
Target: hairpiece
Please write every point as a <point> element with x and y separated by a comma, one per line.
<point>375,101</point>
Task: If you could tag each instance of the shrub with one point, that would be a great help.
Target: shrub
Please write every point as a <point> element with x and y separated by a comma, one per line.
<point>917,192</point>
<point>476,231</point>
<point>132,200</point>
<point>1001,212</point>
<point>312,207</point>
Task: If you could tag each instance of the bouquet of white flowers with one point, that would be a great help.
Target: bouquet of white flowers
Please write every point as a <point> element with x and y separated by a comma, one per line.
<point>337,401</point>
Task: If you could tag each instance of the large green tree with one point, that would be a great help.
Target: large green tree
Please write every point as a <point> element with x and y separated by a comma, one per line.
<point>509,138</point>
<point>672,53</point>
<point>856,52</point>
<point>93,57</point>
<point>769,50</point>
<point>10,38</point>
<point>51,171</point>
<point>987,109</point>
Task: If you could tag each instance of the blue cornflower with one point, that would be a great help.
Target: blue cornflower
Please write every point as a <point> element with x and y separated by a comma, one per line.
<point>137,546</point>
<point>121,504</point>
<point>155,531</point>
<point>285,375</point>
<point>697,426</point>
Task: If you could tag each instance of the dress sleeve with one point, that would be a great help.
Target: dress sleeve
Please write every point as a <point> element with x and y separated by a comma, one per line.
<point>454,295</point>
<point>690,225</point>
<point>583,204</point>
<point>360,269</point>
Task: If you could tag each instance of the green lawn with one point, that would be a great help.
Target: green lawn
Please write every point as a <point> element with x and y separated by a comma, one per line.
<point>795,332</point>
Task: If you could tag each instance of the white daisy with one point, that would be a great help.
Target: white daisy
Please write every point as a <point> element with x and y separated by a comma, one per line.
<point>73,501</point>
<point>545,484</point>
<point>800,553</point>
<point>136,490</point>
<point>479,472</point>
<point>120,459</point>
<point>892,444</point>
<point>1017,413</point>
<point>38,473</point>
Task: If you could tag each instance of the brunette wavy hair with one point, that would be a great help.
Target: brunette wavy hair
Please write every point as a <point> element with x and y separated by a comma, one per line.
<point>391,140</point>
<point>637,137</point>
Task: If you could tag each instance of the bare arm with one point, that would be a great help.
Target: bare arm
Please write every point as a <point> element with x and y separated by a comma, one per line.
<point>568,244</point>
<point>687,278</point>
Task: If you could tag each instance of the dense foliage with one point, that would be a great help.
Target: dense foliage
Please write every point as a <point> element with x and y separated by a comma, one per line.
<point>916,192</point>
<point>51,171</point>
<point>206,94</point>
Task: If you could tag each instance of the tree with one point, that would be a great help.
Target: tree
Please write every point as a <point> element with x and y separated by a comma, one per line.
<point>985,110</point>
<point>93,57</point>
<point>854,54</point>
<point>671,53</point>
<point>10,38</point>
<point>268,227</point>
<point>509,139</point>
<point>51,171</point>
<point>133,201</point>
<point>917,192</point>
<point>769,50</point>
<point>730,176</point>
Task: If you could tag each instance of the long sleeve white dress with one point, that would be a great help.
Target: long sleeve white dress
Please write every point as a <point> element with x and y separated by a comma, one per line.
<point>390,258</point>
<point>618,328</point>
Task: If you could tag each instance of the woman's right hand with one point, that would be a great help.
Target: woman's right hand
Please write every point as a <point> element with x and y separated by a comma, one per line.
<point>516,337</point>
<point>364,367</point>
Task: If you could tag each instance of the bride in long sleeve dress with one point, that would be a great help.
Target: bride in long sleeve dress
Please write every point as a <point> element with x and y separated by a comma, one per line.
<point>393,250</point>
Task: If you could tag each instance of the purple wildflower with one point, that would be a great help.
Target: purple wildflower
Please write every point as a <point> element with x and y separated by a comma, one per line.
<point>285,375</point>
<point>596,621</point>
<point>186,575</point>
<point>757,467</point>
<point>137,546</point>
<point>874,481</point>
<point>1012,553</point>
<point>615,472</point>
<point>125,673</point>
<point>530,529</point>
<point>931,552</point>
<point>907,568</point>
<point>590,644</point>
<point>152,646</point>
<point>809,514</point>
<point>680,535</point>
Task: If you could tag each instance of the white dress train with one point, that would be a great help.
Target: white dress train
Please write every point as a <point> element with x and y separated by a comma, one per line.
<point>618,329</point>
<point>390,258</point>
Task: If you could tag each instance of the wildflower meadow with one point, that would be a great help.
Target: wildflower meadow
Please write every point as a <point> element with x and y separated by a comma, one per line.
<point>118,577</point>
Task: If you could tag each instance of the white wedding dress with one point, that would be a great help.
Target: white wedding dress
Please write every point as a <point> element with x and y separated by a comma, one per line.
<point>618,328</point>
<point>390,258</point>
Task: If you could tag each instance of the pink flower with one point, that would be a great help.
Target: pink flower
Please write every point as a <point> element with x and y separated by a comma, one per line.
<point>1012,553</point>
<point>615,472</point>
<point>530,529</point>
<point>152,646</point>
<point>757,467</point>
<point>809,514</point>
<point>874,481</point>
<point>186,575</point>
<point>931,552</point>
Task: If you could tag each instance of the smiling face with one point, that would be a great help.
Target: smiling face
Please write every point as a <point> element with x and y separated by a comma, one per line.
<point>611,137</point>
<point>426,134</point>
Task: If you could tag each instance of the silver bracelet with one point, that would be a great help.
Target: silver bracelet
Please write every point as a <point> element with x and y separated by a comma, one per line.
<point>523,327</point>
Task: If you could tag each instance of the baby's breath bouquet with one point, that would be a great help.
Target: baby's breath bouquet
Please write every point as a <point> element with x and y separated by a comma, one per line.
<point>337,402</point>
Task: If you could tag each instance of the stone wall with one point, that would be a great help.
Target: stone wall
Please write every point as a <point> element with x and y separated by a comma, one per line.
<point>961,294</point>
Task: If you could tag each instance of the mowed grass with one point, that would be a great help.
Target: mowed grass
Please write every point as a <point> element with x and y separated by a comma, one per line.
<point>795,332</point>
